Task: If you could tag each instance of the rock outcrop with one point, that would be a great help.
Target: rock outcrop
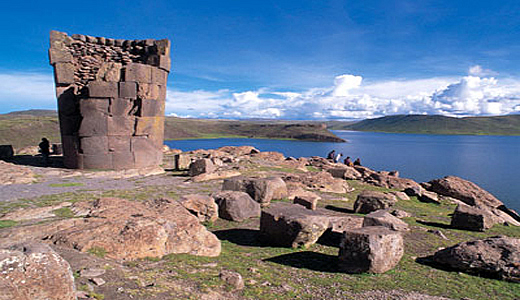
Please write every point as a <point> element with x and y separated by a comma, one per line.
<point>262,190</point>
<point>307,199</point>
<point>236,206</point>
<point>319,181</point>
<point>496,257</point>
<point>373,249</point>
<point>201,206</point>
<point>35,271</point>
<point>385,219</point>
<point>130,230</point>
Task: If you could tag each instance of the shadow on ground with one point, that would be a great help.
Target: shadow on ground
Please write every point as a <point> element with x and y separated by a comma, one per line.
<point>54,161</point>
<point>308,260</point>
<point>239,236</point>
<point>339,209</point>
<point>435,224</point>
<point>428,261</point>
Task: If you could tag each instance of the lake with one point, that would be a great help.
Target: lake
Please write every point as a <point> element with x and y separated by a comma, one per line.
<point>490,161</point>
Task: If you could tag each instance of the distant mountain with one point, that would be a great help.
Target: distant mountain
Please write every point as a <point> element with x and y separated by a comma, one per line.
<point>35,113</point>
<point>502,125</point>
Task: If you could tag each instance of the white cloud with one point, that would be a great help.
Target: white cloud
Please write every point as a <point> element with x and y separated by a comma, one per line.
<point>20,91</point>
<point>477,70</point>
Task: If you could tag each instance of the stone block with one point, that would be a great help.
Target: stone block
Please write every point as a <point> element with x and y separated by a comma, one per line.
<point>151,108</point>
<point>472,218</point>
<point>236,206</point>
<point>162,93</point>
<point>138,73</point>
<point>121,107</point>
<point>63,73</point>
<point>94,145</point>
<point>201,166</point>
<point>93,106</point>
<point>148,125</point>
<point>148,91</point>
<point>128,89</point>
<point>368,201</point>
<point>373,249</point>
<point>142,143</point>
<point>308,200</point>
<point>150,158</point>
<point>385,219</point>
<point>182,162</point>
<point>159,76</point>
<point>163,47</point>
<point>100,161</point>
<point>93,125</point>
<point>123,160</point>
<point>164,62</point>
<point>201,206</point>
<point>102,89</point>
<point>59,40</point>
<point>119,143</point>
<point>109,71</point>
<point>70,146</point>
<point>59,56</point>
<point>120,125</point>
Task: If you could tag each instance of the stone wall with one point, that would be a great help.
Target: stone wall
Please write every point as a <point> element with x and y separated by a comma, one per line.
<point>111,96</point>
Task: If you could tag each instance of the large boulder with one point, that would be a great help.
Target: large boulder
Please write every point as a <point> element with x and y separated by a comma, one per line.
<point>386,180</point>
<point>201,166</point>
<point>320,181</point>
<point>496,257</point>
<point>472,218</point>
<point>429,197</point>
<point>385,219</point>
<point>345,172</point>
<point>369,201</point>
<point>201,206</point>
<point>262,190</point>
<point>130,230</point>
<point>290,225</point>
<point>236,206</point>
<point>373,249</point>
<point>35,271</point>
<point>182,161</point>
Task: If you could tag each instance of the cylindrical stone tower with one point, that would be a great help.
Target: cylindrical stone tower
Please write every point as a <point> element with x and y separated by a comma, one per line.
<point>111,96</point>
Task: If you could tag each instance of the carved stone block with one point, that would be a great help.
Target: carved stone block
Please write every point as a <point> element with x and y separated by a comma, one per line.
<point>92,125</point>
<point>128,89</point>
<point>63,73</point>
<point>138,73</point>
<point>121,125</point>
<point>93,106</point>
<point>100,161</point>
<point>102,89</point>
<point>121,107</point>
<point>94,145</point>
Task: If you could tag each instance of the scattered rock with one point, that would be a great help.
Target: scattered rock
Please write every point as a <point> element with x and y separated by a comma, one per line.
<point>262,190</point>
<point>239,151</point>
<point>320,181</point>
<point>35,271</point>
<point>236,206</point>
<point>270,156</point>
<point>496,257</point>
<point>401,196</point>
<point>373,249</point>
<point>383,218</point>
<point>463,190</point>
<point>123,229</point>
<point>232,278</point>
<point>429,197</point>
<point>91,272</point>
<point>400,213</point>
<point>345,173</point>
<point>438,233</point>
<point>182,162</point>
<point>368,201</point>
<point>414,191</point>
<point>290,225</point>
<point>98,281</point>
<point>307,199</point>
<point>471,218</point>
<point>201,206</point>
<point>221,174</point>
<point>201,166</point>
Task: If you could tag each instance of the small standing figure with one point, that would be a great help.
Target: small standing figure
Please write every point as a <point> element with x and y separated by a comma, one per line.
<point>45,150</point>
<point>348,162</point>
<point>331,155</point>
<point>357,162</point>
<point>337,158</point>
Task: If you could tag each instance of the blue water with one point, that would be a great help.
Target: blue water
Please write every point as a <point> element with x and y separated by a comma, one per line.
<point>489,161</point>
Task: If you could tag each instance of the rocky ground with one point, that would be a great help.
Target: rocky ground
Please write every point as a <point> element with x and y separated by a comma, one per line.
<point>58,207</point>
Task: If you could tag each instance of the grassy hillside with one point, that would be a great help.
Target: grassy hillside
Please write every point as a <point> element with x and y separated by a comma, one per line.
<point>502,125</point>
<point>26,128</point>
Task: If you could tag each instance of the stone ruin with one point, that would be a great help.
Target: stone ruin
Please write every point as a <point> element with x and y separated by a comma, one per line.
<point>111,95</point>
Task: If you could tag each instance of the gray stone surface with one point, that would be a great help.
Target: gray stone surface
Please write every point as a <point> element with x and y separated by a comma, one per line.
<point>236,206</point>
<point>368,201</point>
<point>471,218</point>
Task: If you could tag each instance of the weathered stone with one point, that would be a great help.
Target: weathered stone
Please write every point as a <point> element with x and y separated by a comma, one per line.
<point>120,160</point>
<point>239,151</point>
<point>463,190</point>
<point>59,56</point>
<point>471,218</point>
<point>131,230</point>
<point>138,73</point>
<point>345,173</point>
<point>182,162</point>
<point>201,166</point>
<point>236,206</point>
<point>291,225</point>
<point>128,90</point>
<point>94,145</point>
<point>64,73</point>
<point>429,197</point>
<point>94,124</point>
<point>159,76</point>
<point>307,199</point>
<point>148,91</point>
<point>102,89</point>
<point>201,206</point>
<point>414,191</point>
<point>97,161</point>
<point>373,249</point>
<point>151,108</point>
<point>369,201</point>
<point>117,125</point>
<point>6,151</point>
<point>262,190</point>
<point>383,218</point>
<point>401,196</point>
<point>109,71</point>
<point>232,278</point>
<point>94,106</point>
<point>321,181</point>
<point>497,257</point>
<point>119,144</point>
<point>400,213</point>
<point>164,62</point>
<point>147,125</point>
<point>35,271</point>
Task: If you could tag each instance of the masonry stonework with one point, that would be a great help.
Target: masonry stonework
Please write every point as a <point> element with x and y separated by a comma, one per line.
<point>111,96</point>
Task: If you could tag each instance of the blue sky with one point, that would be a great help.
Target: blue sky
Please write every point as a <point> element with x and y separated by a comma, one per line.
<point>290,59</point>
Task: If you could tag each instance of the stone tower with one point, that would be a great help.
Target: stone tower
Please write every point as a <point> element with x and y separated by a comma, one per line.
<point>111,96</point>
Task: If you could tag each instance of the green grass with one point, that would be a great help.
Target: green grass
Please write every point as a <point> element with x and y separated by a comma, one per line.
<point>97,251</point>
<point>64,212</point>
<point>7,223</point>
<point>66,184</point>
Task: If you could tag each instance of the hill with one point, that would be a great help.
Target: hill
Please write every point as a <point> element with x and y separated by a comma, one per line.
<point>26,128</point>
<point>502,125</point>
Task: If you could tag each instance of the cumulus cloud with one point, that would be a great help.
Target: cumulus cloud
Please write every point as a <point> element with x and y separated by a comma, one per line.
<point>477,70</point>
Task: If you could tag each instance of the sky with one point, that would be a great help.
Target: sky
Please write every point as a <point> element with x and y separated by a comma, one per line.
<point>301,60</point>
